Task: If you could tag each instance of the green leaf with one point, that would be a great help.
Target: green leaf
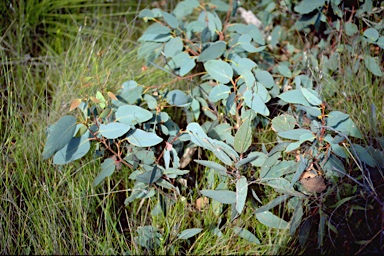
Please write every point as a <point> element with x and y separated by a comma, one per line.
<point>214,51</point>
<point>265,78</point>
<point>294,96</point>
<point>215,166</point>
<point>296,218</point>
<point>131,115</point>
<point>156,33</point>
<point>284,70</point>
<point>60,135</point>
<point>241,193</point>
<point>173,47</point>
<point>350,28</point>
<point>188,233</point>
<point>336,117</point>
<point>222,196</point>
<point>283,123</point>
<point>107,169</point>
<point>294,134</point>
<point>348,127</point>
<point>248,77</point>
<point>151,176</point>
<point>311,97</point>
<point>187,65</point>
<point>243,137</point>
<point>185,8</point>
<point>170,19</point>
<point>245,43</point>
<point>307,6</point>
<point>142,138</point>
<point>178,98</point>
<point>243,233</point>
<point>364,155</point>
<point>371,65</point>
<point>146,14</point>
<point>255,102</point>
<point>113,130</point>
<point>380,42</point>
<point>219,70</point>
<point>75,149</point>
<point>242,63</point>
<point>371,35</point>
<point>151,101</point>
<point>275,202</point>
<point>219,92</point>
<point>270,220</point>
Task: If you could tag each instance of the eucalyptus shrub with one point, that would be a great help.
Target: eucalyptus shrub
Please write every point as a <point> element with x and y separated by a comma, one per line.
<point>225,96</point>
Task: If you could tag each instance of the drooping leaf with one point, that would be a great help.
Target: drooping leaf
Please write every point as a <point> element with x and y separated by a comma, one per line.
<point>311,97</point>
<point>113,130</point>
<point>222,196</point>
<point>187,65</point>
<point>364,156</point>
<point>241,193</point>
<point>243,137</point>
<point>60,135</point>
<point>219,70</point>
<point>275,202</point>
<point>348,127</point>
<point>75,149</point>
<point>107,169</point>
<point>131,115</point>
<point>142,138</point>
<point>188,233</point>
<point>270,220</point>
<point>215,166</point>
<point>296,218</point>
<point>336,117</point>
<point>243,233</point>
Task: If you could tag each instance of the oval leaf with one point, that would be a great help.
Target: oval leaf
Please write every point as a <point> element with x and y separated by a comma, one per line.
<point>214,51</point>
<point>60,135</point>
<point>142,138</point>
<point>131,115</point>
<point>241,193</point>
<point>243,137</point>
<point>219,70</point>
<point>113,130</point>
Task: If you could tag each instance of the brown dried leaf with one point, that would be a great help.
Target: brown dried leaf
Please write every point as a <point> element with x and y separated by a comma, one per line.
<point>75,103</point>
<point>201,202</point>
<point>312,183</point>
<point>111,95</point>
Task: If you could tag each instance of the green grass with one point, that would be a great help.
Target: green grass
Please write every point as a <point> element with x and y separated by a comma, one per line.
<point>71,50</point>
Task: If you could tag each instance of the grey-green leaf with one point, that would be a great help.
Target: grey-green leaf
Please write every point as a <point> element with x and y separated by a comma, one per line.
<point>131,115</point>
<point>243,233</point>
<point>269,219</point>
<point>371,65</point>
<point>60,135</point>
<point>219,92</point>
<point>188,233</point>
<point>222,196</point>
<point>241,193</point>
<point>243,137</point>
<point>113,130</point>
<point>219,70</point>
<point>75,149</point>
<point>307,6</point>
<point>107,169</point>
<point>214,51</point>
<point>142,138</point>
